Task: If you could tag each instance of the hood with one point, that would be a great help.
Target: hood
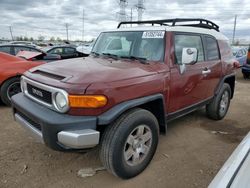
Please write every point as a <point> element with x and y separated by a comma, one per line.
<point>95,69</point>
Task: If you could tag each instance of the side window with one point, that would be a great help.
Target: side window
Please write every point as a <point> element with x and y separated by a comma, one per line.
<point>5,49</point>
<point>211,49</point>
<point>188,41</point>
<point>20,48</point>
<point>56,51</point>
<point>33,50</point>
<point>69,50</point>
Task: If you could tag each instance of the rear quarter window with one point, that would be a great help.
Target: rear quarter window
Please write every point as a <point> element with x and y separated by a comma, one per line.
<point>211,49</point>
<point>225,50</point>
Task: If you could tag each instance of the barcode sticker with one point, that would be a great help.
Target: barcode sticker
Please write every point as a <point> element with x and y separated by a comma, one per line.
<point>153,34</point>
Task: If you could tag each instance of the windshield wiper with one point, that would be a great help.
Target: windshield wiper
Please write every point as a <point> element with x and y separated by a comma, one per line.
<point>142,60</point>
<point>111,55</point>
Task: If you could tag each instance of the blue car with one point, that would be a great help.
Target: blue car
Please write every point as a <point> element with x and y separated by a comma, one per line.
<point>240,54</point>
<point>246,66</point>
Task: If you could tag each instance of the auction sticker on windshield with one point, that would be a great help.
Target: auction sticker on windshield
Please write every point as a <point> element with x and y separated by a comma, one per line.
<point>153,34</point>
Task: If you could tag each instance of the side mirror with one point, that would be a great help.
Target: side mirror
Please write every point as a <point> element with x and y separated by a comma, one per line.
<point>189,56</point>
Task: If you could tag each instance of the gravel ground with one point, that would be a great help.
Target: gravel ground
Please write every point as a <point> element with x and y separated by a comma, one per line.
<point>189,155</point>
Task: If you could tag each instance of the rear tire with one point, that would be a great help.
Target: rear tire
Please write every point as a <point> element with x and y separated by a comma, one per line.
<point>218,108</point>
<point>10,88</point>
<point>246,75</point>
<point>128,145</point>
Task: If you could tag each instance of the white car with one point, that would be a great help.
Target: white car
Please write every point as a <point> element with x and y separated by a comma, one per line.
<point>235,173</point>
<point>85,49</point>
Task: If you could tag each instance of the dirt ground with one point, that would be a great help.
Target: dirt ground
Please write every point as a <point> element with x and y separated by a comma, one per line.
<point>189,155</point>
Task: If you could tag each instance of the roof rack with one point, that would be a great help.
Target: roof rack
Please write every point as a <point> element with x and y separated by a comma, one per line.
<point>202,23</point>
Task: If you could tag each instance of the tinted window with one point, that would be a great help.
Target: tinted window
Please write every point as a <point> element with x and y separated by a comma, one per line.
<point>33,50</point>
<point>5,49</point>
<point>188,41</point>
<point>56,51</point>
<point>20,48</point>
<point>211,48</point>
<point>69,50</point>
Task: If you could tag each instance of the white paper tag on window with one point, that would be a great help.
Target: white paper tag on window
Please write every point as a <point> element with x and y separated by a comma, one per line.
<point>153,34</point>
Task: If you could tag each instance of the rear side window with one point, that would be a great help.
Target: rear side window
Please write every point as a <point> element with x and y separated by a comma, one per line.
<point>188,41</point>
<point>69,50</point>
<point>5,49</point>
<point>56,51</point>
<point>33,50</point>
<point>211,49</point>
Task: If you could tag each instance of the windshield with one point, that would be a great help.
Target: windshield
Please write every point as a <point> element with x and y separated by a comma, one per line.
<point>148,45</point>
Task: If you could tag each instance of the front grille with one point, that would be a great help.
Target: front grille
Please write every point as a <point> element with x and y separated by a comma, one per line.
<point>39,93</point>
<point>31,122</point>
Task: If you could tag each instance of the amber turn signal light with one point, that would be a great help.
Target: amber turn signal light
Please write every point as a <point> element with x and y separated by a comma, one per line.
<point>87,101</point>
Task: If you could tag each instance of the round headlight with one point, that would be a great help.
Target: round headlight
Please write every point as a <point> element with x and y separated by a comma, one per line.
<point>61,102</point>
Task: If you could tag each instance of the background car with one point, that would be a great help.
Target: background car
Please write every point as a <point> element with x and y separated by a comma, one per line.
<point>26,43</point>
<point>236,171</point>
<point>11,68</point>
<point>240,54</point>
<point>246,66</point>
<point>85,49</point>
<point>65,52</point>
<point>14,49</point>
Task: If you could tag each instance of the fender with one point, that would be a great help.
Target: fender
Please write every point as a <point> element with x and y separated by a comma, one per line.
<point>116,111</point>
<point>222,81</point>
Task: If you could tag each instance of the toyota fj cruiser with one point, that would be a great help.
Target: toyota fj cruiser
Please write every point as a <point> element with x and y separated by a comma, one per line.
<point>135,81</point>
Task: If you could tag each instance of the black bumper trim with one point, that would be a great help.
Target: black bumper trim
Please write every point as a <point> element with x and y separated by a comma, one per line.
<point>50,121</point>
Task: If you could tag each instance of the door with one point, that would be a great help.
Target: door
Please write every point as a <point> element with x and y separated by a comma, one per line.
<point>187,88</point>
<point>69,53</point>
<point>212,69</point>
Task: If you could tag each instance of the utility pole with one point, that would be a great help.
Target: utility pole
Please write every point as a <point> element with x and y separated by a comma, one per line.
<point>131,16</point>
<point>235,21</point>
<point>82,25</point>
<point>140,8</point>
<point>11,33</point>
<point>67,30</point>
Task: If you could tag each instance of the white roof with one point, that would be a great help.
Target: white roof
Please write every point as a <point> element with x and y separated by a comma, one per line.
<point>188,29</point>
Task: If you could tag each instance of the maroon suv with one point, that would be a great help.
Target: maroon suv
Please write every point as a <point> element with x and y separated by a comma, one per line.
<point>135,81</point>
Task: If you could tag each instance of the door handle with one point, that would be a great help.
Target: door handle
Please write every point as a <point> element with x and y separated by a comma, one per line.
<point>206,71</point>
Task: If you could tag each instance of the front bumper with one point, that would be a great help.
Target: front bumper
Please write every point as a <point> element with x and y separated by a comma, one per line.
<point>58,131</point>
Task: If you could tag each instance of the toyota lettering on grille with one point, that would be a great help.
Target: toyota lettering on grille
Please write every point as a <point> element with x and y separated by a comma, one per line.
<point>37,92</point>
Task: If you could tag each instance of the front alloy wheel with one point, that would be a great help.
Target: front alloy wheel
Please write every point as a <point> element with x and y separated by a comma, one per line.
<point>129,144</point>
<point>137,145</point>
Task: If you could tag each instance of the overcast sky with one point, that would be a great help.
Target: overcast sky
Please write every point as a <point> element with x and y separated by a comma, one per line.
<point>32,18</point>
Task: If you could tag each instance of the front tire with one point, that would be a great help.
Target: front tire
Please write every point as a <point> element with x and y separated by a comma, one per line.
<point>10,88</point>
<point>218,108</point>
<point>129,144</point>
